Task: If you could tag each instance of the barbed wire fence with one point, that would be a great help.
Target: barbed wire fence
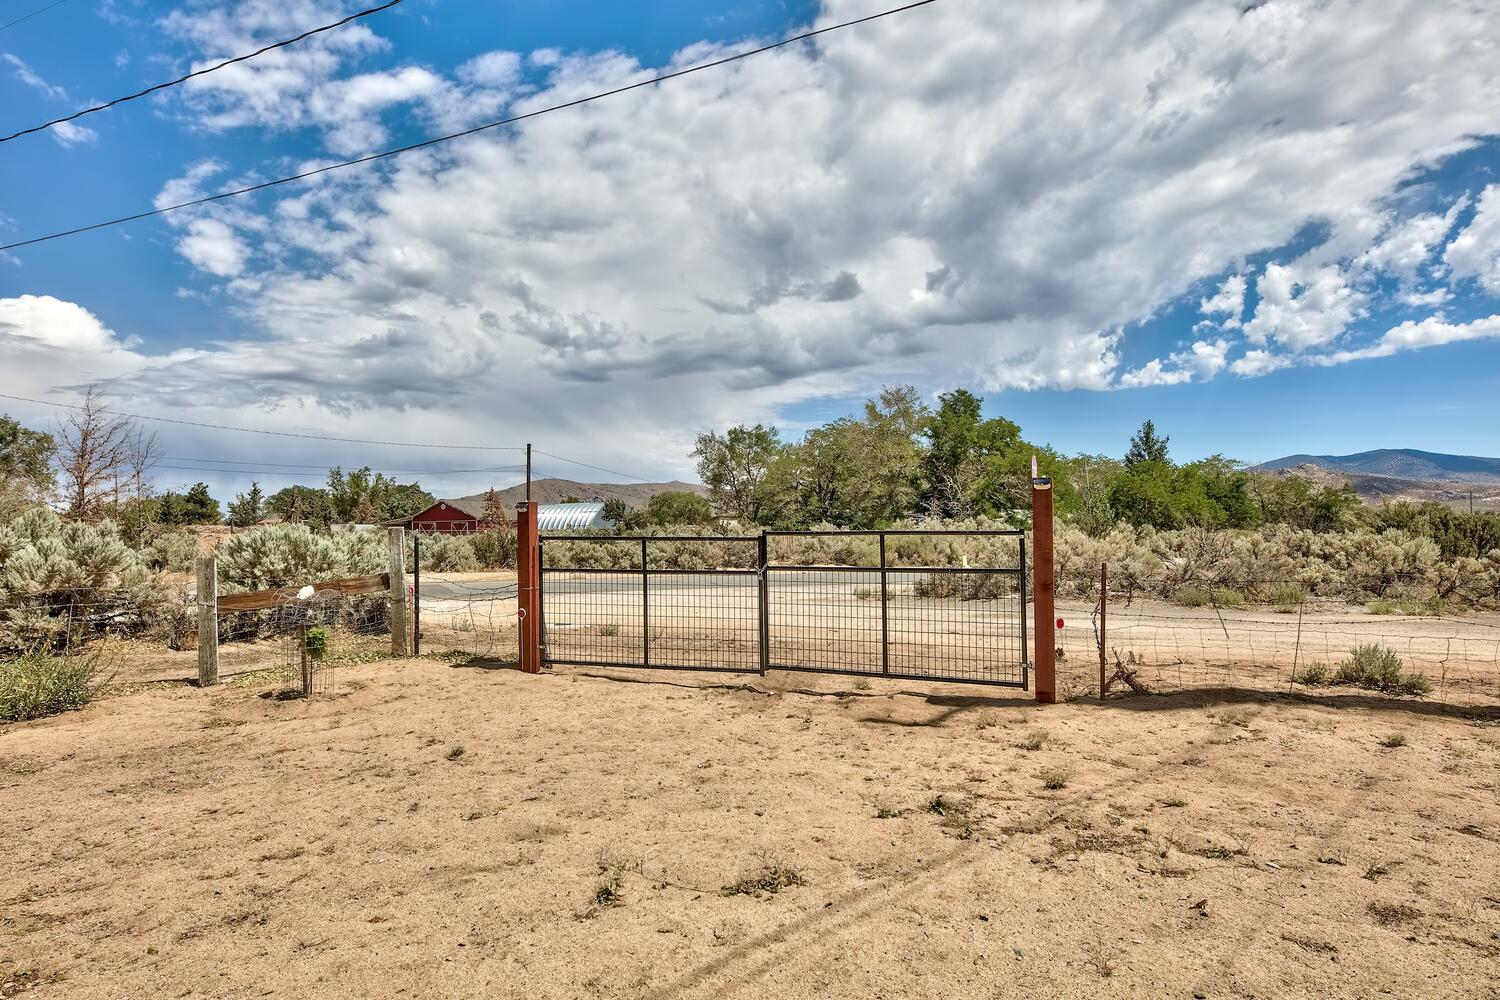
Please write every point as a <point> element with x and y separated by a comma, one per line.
<point>1282,639</point>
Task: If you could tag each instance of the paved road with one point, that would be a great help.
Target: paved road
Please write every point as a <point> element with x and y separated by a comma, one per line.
<point>808,582</point>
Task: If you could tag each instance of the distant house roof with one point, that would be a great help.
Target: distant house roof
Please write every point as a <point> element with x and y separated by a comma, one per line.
<point>571,516</point>
<point>474,508</point>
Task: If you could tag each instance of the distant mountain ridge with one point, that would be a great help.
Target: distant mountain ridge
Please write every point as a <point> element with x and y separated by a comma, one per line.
<point>1398,463</point>
<point>635,495</point>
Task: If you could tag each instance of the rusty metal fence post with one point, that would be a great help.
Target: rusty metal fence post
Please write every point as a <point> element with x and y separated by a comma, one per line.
<point>1042,590</point>
<point>528,588</point>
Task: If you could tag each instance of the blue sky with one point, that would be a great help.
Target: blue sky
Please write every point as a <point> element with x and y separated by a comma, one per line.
<point>1254,228</point>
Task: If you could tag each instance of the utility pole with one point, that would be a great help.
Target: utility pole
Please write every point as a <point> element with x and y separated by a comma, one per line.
<point>528,472</point>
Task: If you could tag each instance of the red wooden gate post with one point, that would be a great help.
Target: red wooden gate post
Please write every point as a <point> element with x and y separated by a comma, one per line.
<point>528,588</point>
<point>1042,591</point>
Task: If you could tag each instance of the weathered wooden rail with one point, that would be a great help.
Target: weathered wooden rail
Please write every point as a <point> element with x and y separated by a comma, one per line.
<point>211,604</point>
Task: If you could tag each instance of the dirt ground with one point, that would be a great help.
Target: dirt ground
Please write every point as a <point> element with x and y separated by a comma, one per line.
<point>440,830</point>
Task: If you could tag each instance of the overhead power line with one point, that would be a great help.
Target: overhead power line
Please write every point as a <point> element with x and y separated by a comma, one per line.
<point>596,468</point>
<point>27,17</point>
<point>255,474</point>
<point>200,72</point>
<point>208,465</point>
<point>700,67</point>
<point>258,430</point>
<point>329,437</point>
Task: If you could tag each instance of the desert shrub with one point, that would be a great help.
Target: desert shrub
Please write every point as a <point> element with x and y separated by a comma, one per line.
<point>1378,668</point>
<point>495,549</point>
<point>1288,596</point>
<point>965,586</point>
<point>64,581</point>
<point>1192,596</point>
<point>39,682</point>
<point>1313,675</point>
<point>172,552</point>
<point>448,554</point>
<point>1228,597</point>
<point>279,555</point>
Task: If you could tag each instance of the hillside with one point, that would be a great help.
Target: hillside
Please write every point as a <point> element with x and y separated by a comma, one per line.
<point>1484,495</point>
<point>635,495</point>
<point>1400,463</point>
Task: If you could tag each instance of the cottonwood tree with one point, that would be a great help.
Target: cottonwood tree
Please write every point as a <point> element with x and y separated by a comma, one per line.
<point>735,466</point>
<point>103,458</point>
<point>26,477</point>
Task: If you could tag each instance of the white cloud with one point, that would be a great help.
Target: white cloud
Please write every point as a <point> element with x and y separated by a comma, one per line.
<point>1475,252</point>
<point>214,247</point>
<point>637,269</point>
<point>46,341</point>
<point>1302,308</point>
<point>68,134</point>
<point>1228,301</point>
<point>1259,362</point>
<point>1408,244</point>
<point>28,76</point>
<point>1413,335</point>
<point>1202,361</point>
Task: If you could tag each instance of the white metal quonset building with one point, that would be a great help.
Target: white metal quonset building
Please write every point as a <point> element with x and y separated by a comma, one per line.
<point>559,517</point>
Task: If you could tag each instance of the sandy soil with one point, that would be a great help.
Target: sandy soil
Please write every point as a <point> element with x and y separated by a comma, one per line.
<point>439,831</point>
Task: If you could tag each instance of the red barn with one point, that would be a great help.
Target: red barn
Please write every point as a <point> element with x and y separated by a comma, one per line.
<point>451,517</point>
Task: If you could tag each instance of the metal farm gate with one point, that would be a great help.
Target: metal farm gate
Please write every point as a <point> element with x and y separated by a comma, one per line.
<point>934,605</point>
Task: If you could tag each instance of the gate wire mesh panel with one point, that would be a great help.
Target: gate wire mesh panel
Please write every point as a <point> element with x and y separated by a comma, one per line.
<point>826,620</point>
<point>469,614</point>
<point>593,601</point>
<point>963,625</point>
<point>942,605</point>
<point>682,602</point>
<point>703,603</point>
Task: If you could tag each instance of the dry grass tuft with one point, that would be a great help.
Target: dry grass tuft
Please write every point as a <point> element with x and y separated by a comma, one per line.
<point>771,877</point>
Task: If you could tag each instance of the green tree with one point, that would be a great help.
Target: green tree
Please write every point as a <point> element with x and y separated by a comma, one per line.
<point>960,445</point>
<point>1146,446</point>
<point>366,497</point>
<point>678,507</point>
<point>247,508</point>
<point>735,466</point>
<point>1302,503</point>
<point>196,506</point>
<point>495,516</point>
<point>616,512</point>
<point>26,475</point>
<point>301,505</point>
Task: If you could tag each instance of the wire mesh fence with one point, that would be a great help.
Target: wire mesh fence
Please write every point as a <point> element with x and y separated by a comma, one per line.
<point>306,639</point>
<point>1284,641</point>
<point>466,615</point>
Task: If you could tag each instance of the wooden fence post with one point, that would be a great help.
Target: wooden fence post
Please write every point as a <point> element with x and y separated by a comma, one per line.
<point>399,645</point>
<point>208,621</point>
<point>1042,591</point>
